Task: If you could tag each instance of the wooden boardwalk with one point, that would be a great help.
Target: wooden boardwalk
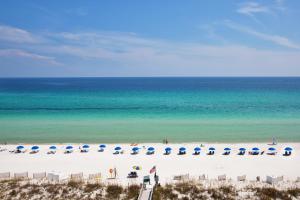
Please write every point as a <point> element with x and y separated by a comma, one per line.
<point>146,193</point>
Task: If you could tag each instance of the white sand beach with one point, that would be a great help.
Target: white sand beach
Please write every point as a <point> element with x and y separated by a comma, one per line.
<point>167,166</point>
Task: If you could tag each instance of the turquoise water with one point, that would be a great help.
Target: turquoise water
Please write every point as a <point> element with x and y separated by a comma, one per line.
<point>149,109</point>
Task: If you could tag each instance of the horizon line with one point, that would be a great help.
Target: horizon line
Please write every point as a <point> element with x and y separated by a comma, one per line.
<point>24,77</point>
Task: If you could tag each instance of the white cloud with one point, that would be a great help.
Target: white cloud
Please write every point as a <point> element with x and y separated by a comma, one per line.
<point>142,56</point>
<point>252,8</point>
<point>12,34</point>
<point>276,39</point>
<point>15,53</point>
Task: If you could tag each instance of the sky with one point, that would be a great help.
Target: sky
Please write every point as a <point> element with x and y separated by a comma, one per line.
<point>110,38</point>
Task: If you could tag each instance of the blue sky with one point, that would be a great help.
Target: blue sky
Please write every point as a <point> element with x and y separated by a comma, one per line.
<point>149,38</point>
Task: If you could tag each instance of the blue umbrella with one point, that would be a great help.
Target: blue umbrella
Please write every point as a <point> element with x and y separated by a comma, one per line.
<point>272,149</point>
<point>227,149</point>
<point>69,147</point>
<point>211,149</point>
<point>151,149</point>
<point>102,145</point>
<point>197,149</point>
<point>52,147</point>
<point>255,149</point>
<point>288,149</point>
<point>86,146</point>
<point>168,149</point>
<point>135,149</point>
<point>35,148</point>
<point>118,148</point>
<point>20,147</point>
<point>242,149</point>
<point>182,149</point>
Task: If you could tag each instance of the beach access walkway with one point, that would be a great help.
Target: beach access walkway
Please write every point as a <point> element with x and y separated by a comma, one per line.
<point>146,193</point>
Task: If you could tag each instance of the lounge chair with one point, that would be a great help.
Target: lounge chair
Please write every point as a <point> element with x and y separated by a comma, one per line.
<point>241,178</point>
<point>39,176</point>
<point>222,177</point>
<point>95,177</point>
<point>4,175</point>
<point>241,153</point>
<point>202,177</point>
<point>150,152</point>
<point>23,175</point>
<point>287,153</point>
<point>77,177</point>
<point>254,153</point>
<point>53,177</point>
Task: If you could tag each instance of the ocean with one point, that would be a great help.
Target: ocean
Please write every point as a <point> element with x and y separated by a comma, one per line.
<point>119,110</point>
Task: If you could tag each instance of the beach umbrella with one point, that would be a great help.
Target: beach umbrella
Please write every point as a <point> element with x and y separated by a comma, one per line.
<point>118,148</point>
<point>35,148</point>
<point>86,146</point>
<point>288,149</point>
<point>135,149</point>
<point>255,149</point>
<point>102,145</point>
<point>20,147</point>
<point>52,147</point>
<point>272,149</point>
<point>151,149</point>
<point>211,149</point>
<point>182,149</point>
<point>197,149</point>
<point>69,147</point>
<point>168,149</point>
<point>227,149</point>
<point>242,149</point>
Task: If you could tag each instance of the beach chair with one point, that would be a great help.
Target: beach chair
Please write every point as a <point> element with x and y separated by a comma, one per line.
<point>241,178</point>
<point>95,177</point>
<point>39,176</point>
<point>4,175</point>
<point>77,177</point>
<point>222,177</point>
<point>53,177</point>
<point>271,180</point>
<point>202,177</point>
<point>23,175</point>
